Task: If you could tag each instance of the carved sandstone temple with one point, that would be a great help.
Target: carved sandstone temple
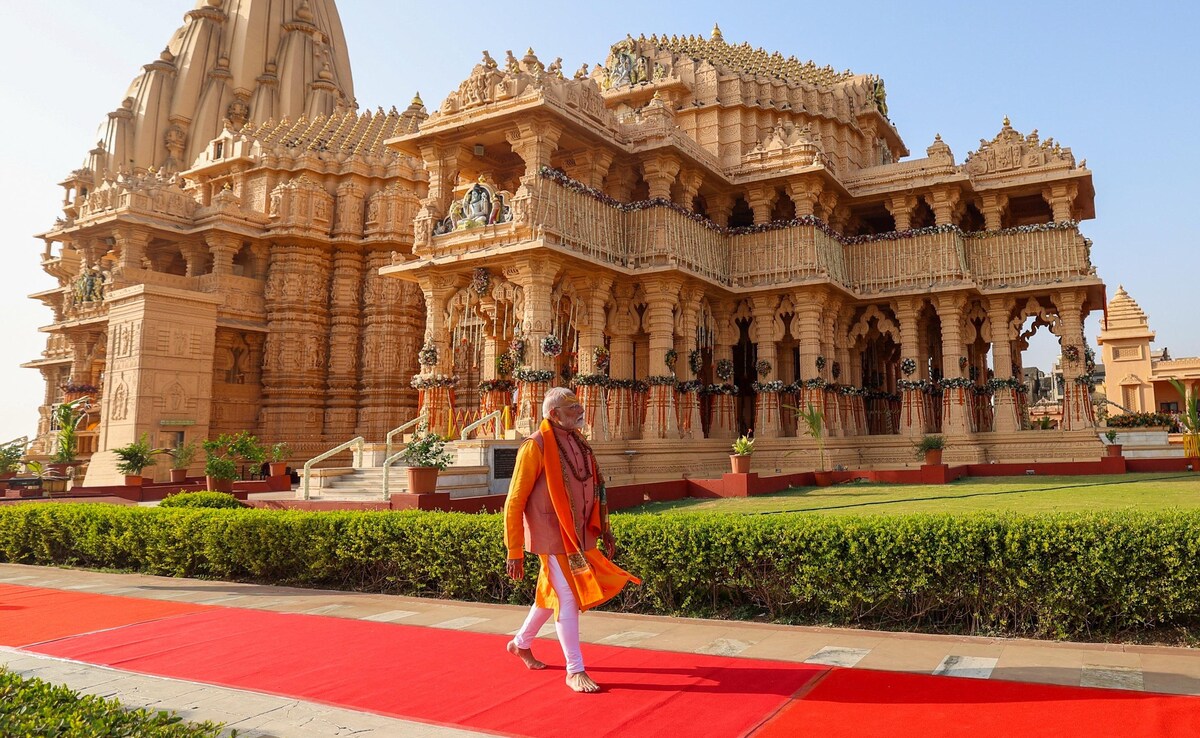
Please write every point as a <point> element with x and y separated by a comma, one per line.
<point>696,234</point>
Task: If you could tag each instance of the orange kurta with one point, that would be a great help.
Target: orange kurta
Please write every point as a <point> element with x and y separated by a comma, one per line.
<point>594,579</point>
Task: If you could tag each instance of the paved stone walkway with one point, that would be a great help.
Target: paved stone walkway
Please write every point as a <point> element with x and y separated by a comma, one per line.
<point>1148,668</point>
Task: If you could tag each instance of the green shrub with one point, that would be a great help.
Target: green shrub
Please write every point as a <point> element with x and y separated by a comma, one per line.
<point>32,707</point>
<point>1145,420</point>
<point>1061,575</point>
<point>210,500</point>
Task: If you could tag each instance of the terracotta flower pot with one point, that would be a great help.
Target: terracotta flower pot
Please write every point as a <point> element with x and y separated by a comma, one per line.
<point>1114,449</point>
<point>933,457</point>
<point>178,476</point>
<point>219,485</point>
<point>278,469</point>
<point>422,480</point>
<point>133,480</point>
<point>740,463</point>
<point>823,478</point>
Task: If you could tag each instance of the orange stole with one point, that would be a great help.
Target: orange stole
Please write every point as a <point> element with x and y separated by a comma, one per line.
<point>593,578</point>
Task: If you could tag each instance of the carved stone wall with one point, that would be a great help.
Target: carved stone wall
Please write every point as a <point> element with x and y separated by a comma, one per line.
<point>393,323</point>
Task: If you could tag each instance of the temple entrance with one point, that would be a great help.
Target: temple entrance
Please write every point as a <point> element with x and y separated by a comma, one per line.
<point>745,355</point>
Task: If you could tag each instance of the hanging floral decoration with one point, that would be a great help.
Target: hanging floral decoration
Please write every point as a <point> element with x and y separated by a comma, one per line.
<point>662,380</point>
<point>670,357</point>
<point>696,361</point>
<point>920,385</point>
<point>815,383</point>
<point>601,357</point>
<point>820,363</point>
<point>1008,383</point>
<point>496,385</point>
<point>763,367</point>
<point>724,369</point>
<point>551,345</point>
<point>428,355</point>
<point>689,387</point>
<point>1071,352</point>
<point>773,387</point>
<point>590,380</point>
<point>433,381</point>
<point>532,376</point>
<point>908,366</point>
<point>481,279</point>
<point>517,347</point>
<point>850,391</point>
<point>505,363</point>
<point>954,383</point>
<point>962,363</point>
<point>720,389</point>
<point>836,369</point>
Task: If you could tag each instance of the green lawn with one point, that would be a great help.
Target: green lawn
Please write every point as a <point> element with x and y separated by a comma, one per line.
<point>998,494</point>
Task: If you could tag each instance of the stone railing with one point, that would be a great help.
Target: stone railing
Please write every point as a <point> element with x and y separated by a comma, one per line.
<point>581,223</point>
<point>660,237</point>
<point>912,262</point>
<point>785,255</point>
<point>1010,259</point>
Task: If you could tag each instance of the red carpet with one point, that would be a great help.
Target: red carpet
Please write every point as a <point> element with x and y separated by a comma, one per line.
<point>866,704</point>
<point>449,677</point>
<point>32,615</point>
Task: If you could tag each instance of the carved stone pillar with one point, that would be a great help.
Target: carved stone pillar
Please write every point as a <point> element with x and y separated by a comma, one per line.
<point>536,278</point>
<point>661,296</point>
<point>955,400</point>
<point>688,187</point>
<point>296,354</point>
<point>196,256</point>
<point>393,320</point>
<point>806,328</point>
<point>535,141</point>
<point>831,400</point>
<point>761,200</point>
<point>723,422</point>
<point>660,172</point>
<point>1061,198</point>
<point>690,425</point>
<point>720,206</point>
<point>1007,418</point>
<point>766,404</point>
<point>592,318</point>
<point>131,247</point>
<point>994,205</point>
<point>943,201</point>
<point>223,247</point>
<point>805,194</point>
<point>913,415</point>
<point>591,166</point>
<point>341,398</point>
<point>901,207</point>
<point>1078,413</point>
<point>622,324</point>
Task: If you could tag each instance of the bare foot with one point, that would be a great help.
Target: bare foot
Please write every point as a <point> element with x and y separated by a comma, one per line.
<point>526,655</point>
<point>581,682</point>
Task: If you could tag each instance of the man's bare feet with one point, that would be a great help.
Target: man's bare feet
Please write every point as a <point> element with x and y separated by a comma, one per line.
<point>526,655</point>
<point>581,682</point>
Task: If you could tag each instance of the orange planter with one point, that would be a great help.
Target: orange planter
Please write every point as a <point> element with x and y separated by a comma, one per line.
<point>219,485</point>
<point>1114,449</point>
<point>740,463</point>
<point>178,476</point>
<point>933,457</point>
<point>422,480</point>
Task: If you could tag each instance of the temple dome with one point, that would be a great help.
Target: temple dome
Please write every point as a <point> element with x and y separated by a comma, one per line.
<point>241,61</point>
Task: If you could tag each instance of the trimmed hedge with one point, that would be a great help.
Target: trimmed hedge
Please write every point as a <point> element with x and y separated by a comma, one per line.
<point>209,500</point>
<point>1062,575</point>
<point>32,707</point>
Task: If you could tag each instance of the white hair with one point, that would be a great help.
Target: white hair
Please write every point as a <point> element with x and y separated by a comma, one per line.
<point>554,398</point>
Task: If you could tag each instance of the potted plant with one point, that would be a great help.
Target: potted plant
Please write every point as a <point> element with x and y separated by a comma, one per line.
<point>223,453</point>
<point>1189,420</point>
<point>813,422</point>
<point>279,454</point>
<point>134,457</point>
<point>739,460</point>
<point>181,458</point>
<point>930,449</point>
<point>1114,448</point>
<point>67,417</point>
<point>50,479</point>
<point>425,455</point>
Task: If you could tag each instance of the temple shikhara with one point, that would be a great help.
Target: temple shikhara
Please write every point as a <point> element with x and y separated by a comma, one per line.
<point>697,234</point>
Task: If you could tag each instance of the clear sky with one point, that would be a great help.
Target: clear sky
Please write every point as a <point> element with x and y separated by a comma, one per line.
<point>1119,83</point>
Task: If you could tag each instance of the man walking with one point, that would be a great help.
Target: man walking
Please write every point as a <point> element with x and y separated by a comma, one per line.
<point>556,509</point>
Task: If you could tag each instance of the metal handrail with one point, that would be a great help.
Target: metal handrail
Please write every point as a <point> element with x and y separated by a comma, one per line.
<point>397,431</point>
<point>23,442</point>
<point>497,415</point>
<point>357,443</point>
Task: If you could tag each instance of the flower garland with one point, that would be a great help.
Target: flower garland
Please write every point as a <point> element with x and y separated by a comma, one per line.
<point>670,357</point>
<point>763,367</point>
<point>820,363</point>
<point>954,383</point>
<point>695,361</point>
<point>691,386</point>
<point>601,357</point>
<point>774,386</point>
<point>432,381</point>
<point>962,362</point>
<point>560,178</point>
<point>590,380</point>
<point>505,363</point>
<point>850,391</point>
<point>662,380</point>
<point>627,384</point>
<point>1071,353</point>
<point>551,345</point>
<point>793,388</point>
<point>724,370</point>
<point>428,355</point>
<point>982,390</point>
<point>74,388</point>
<point>481,279</point>
<point>815,383</point>
<point>833,388</point>
<point>517,348</point>
<point>496,385</point>
<point>720,389</point>
<point>908,366</point>
<point>533,376</point>
<point>920,385</point>
<point>1008,383</point>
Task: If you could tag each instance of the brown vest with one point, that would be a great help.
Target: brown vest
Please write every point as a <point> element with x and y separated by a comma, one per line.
<point>542,532</point>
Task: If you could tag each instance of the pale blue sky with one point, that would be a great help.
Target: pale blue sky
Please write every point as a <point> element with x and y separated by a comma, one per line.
<point>1117,82</point>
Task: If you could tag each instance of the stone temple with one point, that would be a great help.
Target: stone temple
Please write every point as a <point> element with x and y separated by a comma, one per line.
<point>696,233</point>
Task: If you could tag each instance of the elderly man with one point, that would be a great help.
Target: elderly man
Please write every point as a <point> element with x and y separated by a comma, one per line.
<point>556,509</point>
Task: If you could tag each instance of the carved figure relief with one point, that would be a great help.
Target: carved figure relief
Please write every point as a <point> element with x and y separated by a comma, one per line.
<point>481,205</point>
